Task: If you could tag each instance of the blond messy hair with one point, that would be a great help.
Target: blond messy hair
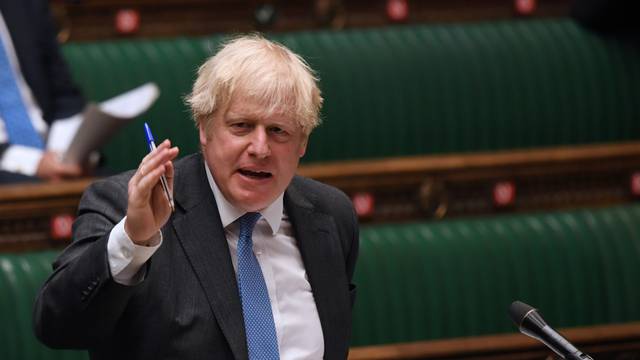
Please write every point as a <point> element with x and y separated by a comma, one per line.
<point>263,70</point>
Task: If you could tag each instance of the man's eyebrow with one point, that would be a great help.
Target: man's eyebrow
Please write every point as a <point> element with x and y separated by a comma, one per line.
<point>239,118</point>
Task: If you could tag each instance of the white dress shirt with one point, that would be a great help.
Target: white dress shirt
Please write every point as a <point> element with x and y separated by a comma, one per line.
<point>294,310</point>
<point>19,158</point>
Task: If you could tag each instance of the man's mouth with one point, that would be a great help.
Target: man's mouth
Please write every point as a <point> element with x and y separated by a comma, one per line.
<point>255,174</point>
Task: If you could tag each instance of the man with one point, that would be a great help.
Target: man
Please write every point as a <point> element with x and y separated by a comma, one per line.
<point>141,282</point>
<point>32,66</point>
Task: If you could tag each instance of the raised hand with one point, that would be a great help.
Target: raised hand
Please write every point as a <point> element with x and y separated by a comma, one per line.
<point>148,208</point>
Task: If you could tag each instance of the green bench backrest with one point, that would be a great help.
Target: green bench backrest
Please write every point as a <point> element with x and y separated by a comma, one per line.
<point>21,276</point>
<point>457,278</point>
<point>405,90</point>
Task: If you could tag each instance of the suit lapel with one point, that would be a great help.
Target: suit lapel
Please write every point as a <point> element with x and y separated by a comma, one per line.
<point>202,237</point>
<point>314,231</point>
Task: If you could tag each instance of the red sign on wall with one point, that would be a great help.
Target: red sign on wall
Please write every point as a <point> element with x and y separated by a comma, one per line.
<point>397,10</point>
<point>61,226</point>
<point>364,203</point>
<point>634,183</point>
<point>127,21</point>
<point>504,193</point>
<point>525,7</point>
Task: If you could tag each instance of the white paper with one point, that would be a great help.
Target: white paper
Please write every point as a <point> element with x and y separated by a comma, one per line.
<point>61,133</point>
<point>84,133</point>
<point>132,103</point>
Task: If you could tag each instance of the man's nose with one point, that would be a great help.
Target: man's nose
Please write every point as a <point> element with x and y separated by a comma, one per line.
<point>259,146</point>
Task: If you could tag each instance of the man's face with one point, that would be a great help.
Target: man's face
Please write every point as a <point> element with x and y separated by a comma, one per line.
<point>252,155</point>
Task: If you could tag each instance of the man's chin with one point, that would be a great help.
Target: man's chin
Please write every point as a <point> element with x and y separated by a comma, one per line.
<point>254,201</point>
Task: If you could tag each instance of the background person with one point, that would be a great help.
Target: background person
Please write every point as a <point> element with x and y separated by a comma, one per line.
<point>35,90</point>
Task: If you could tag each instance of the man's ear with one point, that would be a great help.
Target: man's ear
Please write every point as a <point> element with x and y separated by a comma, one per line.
<point>303,146</point>
<point>203,134</point>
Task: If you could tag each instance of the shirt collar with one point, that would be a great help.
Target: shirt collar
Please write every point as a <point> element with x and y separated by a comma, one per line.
<point>229,213</point>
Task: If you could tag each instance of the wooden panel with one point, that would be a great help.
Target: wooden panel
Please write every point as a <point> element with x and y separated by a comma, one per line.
<point>617,341</point>
<point>37,216</point>
<point>94,19</point>
<point>455,185</point>
<point>399,189</point>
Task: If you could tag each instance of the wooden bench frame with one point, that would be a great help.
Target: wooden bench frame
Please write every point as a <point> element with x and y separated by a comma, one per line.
<point>616,341</point>
<point>407,188</point>
<point>37,216</point>
<point>437,186</point>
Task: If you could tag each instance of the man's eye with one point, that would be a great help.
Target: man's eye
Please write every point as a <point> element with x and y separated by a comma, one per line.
<point>240,125</point>
<point>277,130</point>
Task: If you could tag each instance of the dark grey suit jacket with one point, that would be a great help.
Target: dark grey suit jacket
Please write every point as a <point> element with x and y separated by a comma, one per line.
<point>188,306</point>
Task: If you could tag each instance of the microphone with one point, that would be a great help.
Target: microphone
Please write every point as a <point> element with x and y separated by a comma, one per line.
<point>530,323</point>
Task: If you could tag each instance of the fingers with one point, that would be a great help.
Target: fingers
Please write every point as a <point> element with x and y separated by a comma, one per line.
<point>147,182</point>
<point>169,174</point>
<point>150,173</point>
<point>157,157</point>
<point>69,170</point>
<point>52,168</point>
<point>152,167</point>
<point>147,208</point>
<point>153,154</point>
<point>163,145</point>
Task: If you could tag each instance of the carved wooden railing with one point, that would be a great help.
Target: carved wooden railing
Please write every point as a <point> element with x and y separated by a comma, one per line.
<point>424,187</point>
<point>394,189</point>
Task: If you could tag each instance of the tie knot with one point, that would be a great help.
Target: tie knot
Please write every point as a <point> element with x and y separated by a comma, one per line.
<point>247,222</point>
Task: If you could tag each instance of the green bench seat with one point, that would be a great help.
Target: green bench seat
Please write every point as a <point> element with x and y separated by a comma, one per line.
<point>405,90</point>
<point>437,280</point>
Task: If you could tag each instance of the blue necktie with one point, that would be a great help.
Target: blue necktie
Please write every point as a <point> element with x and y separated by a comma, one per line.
<point>256,307</point>
<point>12,109</point>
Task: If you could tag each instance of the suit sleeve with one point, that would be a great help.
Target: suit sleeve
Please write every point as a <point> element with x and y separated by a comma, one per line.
<point>80,305</point>
<point>67,100</point>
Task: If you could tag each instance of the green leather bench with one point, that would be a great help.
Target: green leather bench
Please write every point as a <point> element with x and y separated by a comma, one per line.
<point>437,280</point>
<point>405,90</point>
<point>21,276</point>
<point>454,279</point>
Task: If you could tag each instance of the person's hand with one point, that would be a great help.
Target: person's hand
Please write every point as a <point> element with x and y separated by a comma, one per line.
<point>148,208</point>
<point>52,168</point>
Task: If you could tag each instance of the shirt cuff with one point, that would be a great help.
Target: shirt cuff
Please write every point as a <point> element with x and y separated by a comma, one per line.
<point>21,159</point>
<point>126,259</point>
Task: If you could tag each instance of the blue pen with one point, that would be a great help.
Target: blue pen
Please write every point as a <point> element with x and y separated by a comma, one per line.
<point>163,179</point>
